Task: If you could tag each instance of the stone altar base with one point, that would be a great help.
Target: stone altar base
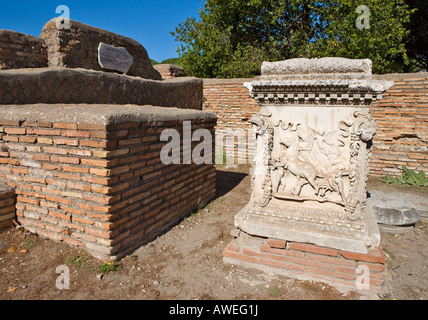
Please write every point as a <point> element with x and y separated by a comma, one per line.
<point>308,262</point>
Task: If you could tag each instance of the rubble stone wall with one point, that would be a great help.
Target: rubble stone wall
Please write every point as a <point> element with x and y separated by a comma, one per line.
<point>18,50</point>
<point>169,71</point>
<point>77,47</point>
<point>62,86</point>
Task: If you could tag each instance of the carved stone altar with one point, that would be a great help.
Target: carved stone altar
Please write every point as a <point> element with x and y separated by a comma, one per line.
<point>313,133</point>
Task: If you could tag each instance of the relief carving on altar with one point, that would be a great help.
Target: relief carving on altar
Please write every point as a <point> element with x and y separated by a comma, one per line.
<point>301,163</point>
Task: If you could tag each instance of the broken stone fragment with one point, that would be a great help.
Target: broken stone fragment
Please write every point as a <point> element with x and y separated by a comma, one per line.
<point>391,210</point>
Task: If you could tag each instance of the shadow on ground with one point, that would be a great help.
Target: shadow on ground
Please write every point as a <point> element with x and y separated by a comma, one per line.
<point>227,181</point>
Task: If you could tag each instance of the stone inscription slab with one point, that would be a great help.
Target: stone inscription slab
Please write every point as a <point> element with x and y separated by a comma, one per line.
<point>112,58</point>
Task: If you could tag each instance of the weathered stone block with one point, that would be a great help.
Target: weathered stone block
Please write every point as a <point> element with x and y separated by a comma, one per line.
<point>169,71</point>
<point>18,50</point>
<point>57,85</point>
<point>390,210</point>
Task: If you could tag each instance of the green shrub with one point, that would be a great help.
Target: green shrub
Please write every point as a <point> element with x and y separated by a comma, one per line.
<point>409,178</point>
<point>109,267</point>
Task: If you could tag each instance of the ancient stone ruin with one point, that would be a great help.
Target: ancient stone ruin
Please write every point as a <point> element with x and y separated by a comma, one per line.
<point>169,71</point>
<point>78,47</point>
<point>81,142</point>
<point>82,112</point>
<point>18,50</point>
<point>308,212</point>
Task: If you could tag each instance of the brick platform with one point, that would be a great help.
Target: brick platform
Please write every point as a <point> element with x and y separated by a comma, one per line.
<point>308,262</point>
<point>92,176</point>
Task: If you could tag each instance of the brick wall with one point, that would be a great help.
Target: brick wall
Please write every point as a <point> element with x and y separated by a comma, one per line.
<point>7,205</point>
<point>231,102</point>
<point>19,50</point>
<point>402,116</point>
<point>97,181</point>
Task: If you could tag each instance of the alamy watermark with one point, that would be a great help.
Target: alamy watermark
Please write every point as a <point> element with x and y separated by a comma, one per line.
<point>198,147</point>
<point>63,21</point>
<point>363,280</point>
<point>363,20</point>
<point>171,152</point>
<point>63,280</point>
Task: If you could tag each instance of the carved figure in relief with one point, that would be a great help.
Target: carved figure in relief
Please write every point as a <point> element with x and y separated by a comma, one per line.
<point>309,157</point>
<point>314,158</point>
<point>302,169</point>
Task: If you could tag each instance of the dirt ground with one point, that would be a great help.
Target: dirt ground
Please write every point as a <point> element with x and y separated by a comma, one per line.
<point>186,263</point>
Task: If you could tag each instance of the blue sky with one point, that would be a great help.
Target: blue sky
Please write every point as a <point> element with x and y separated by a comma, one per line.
<point>148,22</point>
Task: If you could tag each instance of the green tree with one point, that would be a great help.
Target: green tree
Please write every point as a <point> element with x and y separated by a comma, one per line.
<point>417,39</point>
<point>382,40</point>
<point>232,38</point>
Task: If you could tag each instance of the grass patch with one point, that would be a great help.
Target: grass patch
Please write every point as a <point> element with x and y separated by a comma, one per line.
<point>78,261</point>
<point>275,292</point>
<point>174,61</point>
<point>28,244</point>
<point>109,267</point>
<point>392,262</point>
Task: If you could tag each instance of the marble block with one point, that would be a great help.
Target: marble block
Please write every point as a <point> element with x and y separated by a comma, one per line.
<point>112,58</point>
<point>314,133</point>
